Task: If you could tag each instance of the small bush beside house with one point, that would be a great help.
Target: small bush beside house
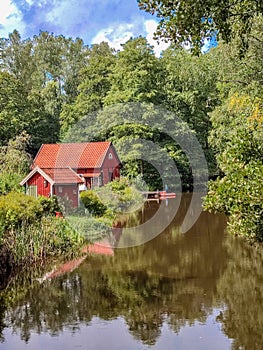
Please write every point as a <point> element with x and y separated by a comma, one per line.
<point>50,205</point>
<point>93,203</point>
<point>28,231</point>
<point>112,199</point>
<point>17,209</point>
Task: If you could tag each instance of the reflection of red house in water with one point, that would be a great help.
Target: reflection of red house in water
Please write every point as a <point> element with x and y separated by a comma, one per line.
<point>68,168</point>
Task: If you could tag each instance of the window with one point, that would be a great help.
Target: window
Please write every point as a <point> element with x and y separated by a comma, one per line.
<point>60,189</point>
<point>110,156</point>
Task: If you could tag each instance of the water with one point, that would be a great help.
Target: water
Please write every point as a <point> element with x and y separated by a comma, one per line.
<point>196,290</point>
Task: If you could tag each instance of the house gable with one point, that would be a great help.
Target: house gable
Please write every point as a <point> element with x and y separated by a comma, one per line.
<point>38,183</point>
<point>33,172</point>
<point>111,165</point>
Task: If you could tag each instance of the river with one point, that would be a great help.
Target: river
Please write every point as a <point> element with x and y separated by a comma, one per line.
<point>197,290</point>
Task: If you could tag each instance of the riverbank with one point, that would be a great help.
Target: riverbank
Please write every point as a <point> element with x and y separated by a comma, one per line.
<point>30,232</point>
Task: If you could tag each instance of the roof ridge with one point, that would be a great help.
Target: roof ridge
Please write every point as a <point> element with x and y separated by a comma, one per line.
<point>72,143</point>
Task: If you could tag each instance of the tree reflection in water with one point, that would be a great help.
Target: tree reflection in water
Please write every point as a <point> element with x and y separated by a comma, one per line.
<point>176,279</point>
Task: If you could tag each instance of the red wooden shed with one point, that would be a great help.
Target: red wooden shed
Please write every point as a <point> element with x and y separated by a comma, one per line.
<point>68,168</point>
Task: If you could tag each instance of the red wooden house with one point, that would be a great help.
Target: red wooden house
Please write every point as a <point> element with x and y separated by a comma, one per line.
<point>68,168</point>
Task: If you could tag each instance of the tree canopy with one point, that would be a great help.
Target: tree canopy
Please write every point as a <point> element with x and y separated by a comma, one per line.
<point>52,87</point>
<point>192,21</point>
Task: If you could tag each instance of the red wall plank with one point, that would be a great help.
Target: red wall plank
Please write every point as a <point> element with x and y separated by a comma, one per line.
<point>43,186</point>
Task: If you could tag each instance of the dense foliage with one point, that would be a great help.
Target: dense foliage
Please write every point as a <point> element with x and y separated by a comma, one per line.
<point>50,205</point>
<point>56,88</point>
<point>14,163</point>
<point>113,198</point>
<point>120,195</point>
<point>17,209</point>
<point>28,231</point>
<point>92,203</point>
<point>192,21</point>
<point>238,139</point>
<point>37,76</point>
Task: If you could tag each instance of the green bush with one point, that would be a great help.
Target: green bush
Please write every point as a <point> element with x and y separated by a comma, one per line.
<point>119,185</point>
<point>16,209</point>
<point>93,203</point>
<point>50,205</point>
<point>30,233</point>
<point>120,195</point>
<point>240,196</point>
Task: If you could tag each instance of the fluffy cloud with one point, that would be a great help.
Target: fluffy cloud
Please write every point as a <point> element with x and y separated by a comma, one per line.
<point>119,33</point>
<point>115,35</point>
<point>95,20</point>
<point>113,21</point>
<point>10,18</point>
<point>150,27</point>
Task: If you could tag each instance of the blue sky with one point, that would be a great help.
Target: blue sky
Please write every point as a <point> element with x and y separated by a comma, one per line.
<point>94,21</point>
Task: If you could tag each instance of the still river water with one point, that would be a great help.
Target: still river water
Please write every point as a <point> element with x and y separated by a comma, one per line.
<point>196,290</point>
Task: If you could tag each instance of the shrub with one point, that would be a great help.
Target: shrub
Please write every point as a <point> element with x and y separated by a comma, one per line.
<point>239,195</point>
<point>16,209</point>
<point>119,185</point>
<point>49,205</point>
<point>120,195</point>
<point>93,203</point>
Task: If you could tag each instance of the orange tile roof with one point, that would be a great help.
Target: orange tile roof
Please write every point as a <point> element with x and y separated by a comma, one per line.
<point>63,176</point>
<point>73,155</point>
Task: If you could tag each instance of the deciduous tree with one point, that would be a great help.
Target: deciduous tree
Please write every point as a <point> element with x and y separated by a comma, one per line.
<point>192,21</point>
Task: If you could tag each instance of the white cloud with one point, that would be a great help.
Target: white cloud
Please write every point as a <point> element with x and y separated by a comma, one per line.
<point>70,14</point>
<point>150,27</point>
<point>120,33</point>
<point>95,21</point>
<point>10,18</point>
<point>115,35</point>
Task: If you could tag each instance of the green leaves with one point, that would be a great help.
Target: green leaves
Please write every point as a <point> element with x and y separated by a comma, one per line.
<point>37,77</point>
<point>14,107</point>
<point>238,142</point>
<point>16,209</point>
<point>14,163</point>
<point>93,203</point>
<point>94,84</point>
<point>190,22</point>
<point>136,74</point>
